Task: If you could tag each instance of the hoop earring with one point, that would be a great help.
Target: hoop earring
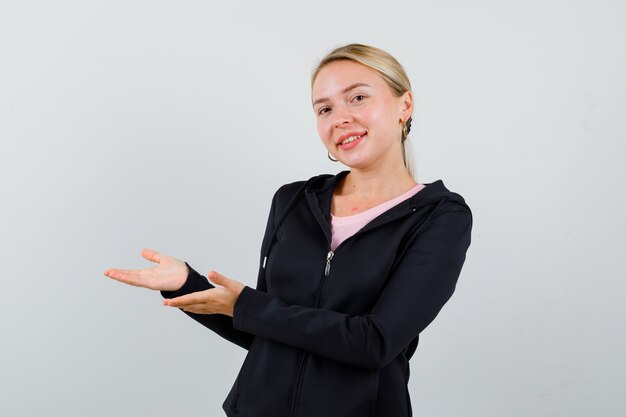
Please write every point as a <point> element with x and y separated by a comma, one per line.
<point>331,158</point>
<point>406,128</point>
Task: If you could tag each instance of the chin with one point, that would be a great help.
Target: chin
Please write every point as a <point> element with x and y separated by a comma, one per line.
<point>354,164</point>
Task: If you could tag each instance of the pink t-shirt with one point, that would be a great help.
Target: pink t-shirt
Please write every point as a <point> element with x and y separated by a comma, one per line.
<point>343,227</point>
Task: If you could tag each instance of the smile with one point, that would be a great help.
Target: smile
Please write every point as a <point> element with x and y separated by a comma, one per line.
<point>351,139</point>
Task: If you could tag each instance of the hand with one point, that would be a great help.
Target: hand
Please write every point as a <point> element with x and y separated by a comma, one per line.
<point>169,275</point>
<point>218,300</point>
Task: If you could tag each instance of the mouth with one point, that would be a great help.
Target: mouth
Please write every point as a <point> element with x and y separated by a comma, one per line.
<point>350,140</point>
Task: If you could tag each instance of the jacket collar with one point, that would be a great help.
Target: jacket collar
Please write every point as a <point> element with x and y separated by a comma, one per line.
<point>319,190</point>
<point>324,186</point>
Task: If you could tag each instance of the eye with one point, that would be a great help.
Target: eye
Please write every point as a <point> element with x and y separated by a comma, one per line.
<point>359,97</point>
<point>322,111</point>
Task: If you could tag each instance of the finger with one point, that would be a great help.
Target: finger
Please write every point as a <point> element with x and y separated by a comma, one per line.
<point>184,300</point>
<point>218,279</point>
<point>151,255</point>
<point>231,285</point>
<point>121,273</point>
<point>127,276</point>
<point>196,308</point>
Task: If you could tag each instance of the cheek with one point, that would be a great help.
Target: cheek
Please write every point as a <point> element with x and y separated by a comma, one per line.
<point>371,115</point>
<point>323,130</point>
<point>382,118</point>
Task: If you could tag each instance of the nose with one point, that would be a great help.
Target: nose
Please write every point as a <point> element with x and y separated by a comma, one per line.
<point>342,116</point>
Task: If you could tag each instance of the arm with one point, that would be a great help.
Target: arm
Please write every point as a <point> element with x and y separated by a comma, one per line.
<point>172,276</point>
<point>220,323</point>
<point>420,285</point>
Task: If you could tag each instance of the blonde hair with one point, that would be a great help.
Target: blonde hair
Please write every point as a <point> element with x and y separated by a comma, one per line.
<point>389,69</point>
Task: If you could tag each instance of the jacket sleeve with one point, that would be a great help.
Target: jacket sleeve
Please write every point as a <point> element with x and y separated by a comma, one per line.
<point>219,323</point>
<point>419,286</point>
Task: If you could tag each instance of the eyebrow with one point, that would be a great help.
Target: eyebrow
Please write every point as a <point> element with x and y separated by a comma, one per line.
<point>345,90</point>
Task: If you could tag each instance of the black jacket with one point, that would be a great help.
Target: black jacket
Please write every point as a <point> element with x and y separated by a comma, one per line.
<point>330,334</point>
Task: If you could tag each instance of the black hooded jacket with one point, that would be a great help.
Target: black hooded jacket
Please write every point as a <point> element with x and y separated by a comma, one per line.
<point>330,333</point>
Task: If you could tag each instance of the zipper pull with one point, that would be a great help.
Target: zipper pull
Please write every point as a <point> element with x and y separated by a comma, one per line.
<point>329,257</point>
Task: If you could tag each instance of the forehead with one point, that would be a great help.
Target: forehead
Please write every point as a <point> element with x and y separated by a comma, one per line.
<point>338,75</point>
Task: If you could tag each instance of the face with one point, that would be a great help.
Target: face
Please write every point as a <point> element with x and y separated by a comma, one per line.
<point>358,115</point>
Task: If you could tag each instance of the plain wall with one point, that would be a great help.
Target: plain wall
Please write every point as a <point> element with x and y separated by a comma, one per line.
<point>170,124</point>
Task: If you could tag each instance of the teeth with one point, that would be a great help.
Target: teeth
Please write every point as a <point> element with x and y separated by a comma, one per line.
<point>350,139</point>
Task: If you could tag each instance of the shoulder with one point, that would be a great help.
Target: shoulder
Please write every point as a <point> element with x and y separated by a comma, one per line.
<point>287,192</point>
<point>317,183</point>
<point>443,204</point>
<point>436,192</point>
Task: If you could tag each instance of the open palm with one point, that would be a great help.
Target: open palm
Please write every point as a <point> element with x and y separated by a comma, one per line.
<point>169,274</point>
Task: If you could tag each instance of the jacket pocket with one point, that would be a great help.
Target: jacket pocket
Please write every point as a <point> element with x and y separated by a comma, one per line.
<point>263,385</point>
<point>331,388</point>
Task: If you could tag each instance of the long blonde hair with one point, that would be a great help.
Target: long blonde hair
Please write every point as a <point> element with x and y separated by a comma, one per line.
<point>389,69</point>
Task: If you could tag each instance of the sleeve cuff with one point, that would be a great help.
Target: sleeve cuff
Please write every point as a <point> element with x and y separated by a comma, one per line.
<point>239,308</point>
<point>194,283</point>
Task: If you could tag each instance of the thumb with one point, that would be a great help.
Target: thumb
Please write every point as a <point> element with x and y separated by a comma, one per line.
<point>151,255</point>
<point>218,279</point>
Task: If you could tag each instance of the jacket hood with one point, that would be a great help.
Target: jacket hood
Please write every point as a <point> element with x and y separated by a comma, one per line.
<point>319,191</point>
<point>431,194</point>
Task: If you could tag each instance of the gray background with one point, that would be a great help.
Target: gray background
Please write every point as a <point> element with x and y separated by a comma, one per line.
<point>169,125</point>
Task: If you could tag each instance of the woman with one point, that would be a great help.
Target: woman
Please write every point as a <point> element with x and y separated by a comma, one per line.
<point>353,266</point>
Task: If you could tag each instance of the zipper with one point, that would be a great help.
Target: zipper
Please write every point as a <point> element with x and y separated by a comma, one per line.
<point>300,369</point>
<point>329,257</point>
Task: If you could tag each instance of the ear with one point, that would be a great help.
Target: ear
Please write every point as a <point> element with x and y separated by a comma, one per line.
<point>406,102</point>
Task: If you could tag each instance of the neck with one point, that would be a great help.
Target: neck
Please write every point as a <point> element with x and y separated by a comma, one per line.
<point>391,180</point>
